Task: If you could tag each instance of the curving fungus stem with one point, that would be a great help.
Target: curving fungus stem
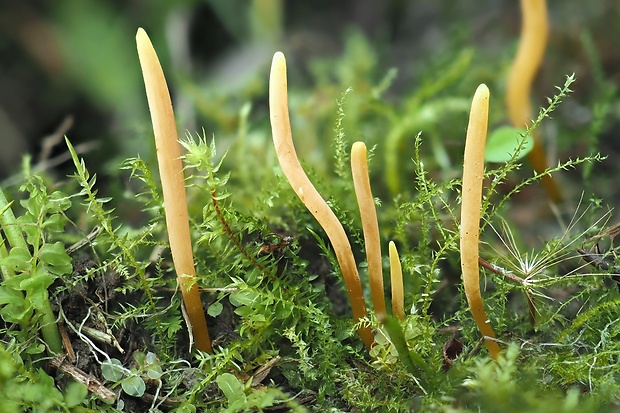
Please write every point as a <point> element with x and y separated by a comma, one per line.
<point>307,193</point>
<point>471,202</point>
<point>534,34</point>
<point>173,186</point>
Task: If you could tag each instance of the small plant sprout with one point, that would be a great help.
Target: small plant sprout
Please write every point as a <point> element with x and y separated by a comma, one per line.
<point>396,281</point>
<point>370,225</point>
<point>173,187</point>
<point>307,193</point>
<point>471,202</point>
<point>534,33</point>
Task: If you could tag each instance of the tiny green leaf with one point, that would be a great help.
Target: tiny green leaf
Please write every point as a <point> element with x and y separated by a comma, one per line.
<point>56,257</point>
<point>231,387</point>
<point>112,370</point>
<point>133,386</point>
<point>239,298</point>
<point>153,368</point>
<point>503,142</point>
<point>17,260</point>
<point>215,309</point>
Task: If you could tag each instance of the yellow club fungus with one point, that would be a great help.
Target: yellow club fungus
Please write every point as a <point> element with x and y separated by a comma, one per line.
<point>173,187</point>
<point>534,34</point>
<point>370,226</point>
<point>307,193</point>
<point>471,196</point>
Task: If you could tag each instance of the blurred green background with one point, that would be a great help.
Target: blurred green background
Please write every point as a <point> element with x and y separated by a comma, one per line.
<point>70,67</point>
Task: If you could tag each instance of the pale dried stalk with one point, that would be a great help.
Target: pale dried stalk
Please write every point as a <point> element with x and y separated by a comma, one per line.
<point>307,193</point>
<point>396,281</point>
<point>370,226</point>
<point>173,186</point>
<point>471,195</point>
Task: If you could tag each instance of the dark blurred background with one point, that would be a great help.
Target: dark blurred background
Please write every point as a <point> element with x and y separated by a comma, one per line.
<point>70,67</point>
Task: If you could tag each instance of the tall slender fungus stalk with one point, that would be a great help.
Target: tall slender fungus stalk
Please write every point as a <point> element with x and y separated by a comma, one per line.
<point>370,225</point>
<point>307,193</point>
<point>534,34</point>
<point>396,280</point>
<point>471,195</point>
<point>173,186</point>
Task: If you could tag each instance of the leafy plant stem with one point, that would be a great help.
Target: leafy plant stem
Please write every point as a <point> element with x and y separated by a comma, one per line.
<point>49,328</point>
<point>413,362</point>
<point>87,183</point>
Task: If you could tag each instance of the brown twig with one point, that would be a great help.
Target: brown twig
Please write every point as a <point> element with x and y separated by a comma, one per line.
<point>93,385</point>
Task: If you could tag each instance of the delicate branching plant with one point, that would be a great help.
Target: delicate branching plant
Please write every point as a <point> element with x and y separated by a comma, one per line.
<point>499,175</point>
<point>532,271</point>
<point>173,186</point>
<point>534,33</point>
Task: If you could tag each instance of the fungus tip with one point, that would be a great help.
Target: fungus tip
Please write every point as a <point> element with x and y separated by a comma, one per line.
<point>482,91</point>
<point>141,36</point>
<point>278,56</point>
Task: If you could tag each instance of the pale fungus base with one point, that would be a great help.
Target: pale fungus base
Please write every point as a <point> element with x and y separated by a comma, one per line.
<point>173,187</point>
<point>529,57</point>
<point>307,193</point>
<point>471,195</point>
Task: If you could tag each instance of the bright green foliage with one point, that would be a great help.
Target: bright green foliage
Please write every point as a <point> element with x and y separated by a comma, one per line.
<point>31,389</point>
<point>34,261</point>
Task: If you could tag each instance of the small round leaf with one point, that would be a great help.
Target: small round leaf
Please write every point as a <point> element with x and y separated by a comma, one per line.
<point>503,142</point>
<point>112,370</point>
<point>215,309</point>
<point>133,386</point>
